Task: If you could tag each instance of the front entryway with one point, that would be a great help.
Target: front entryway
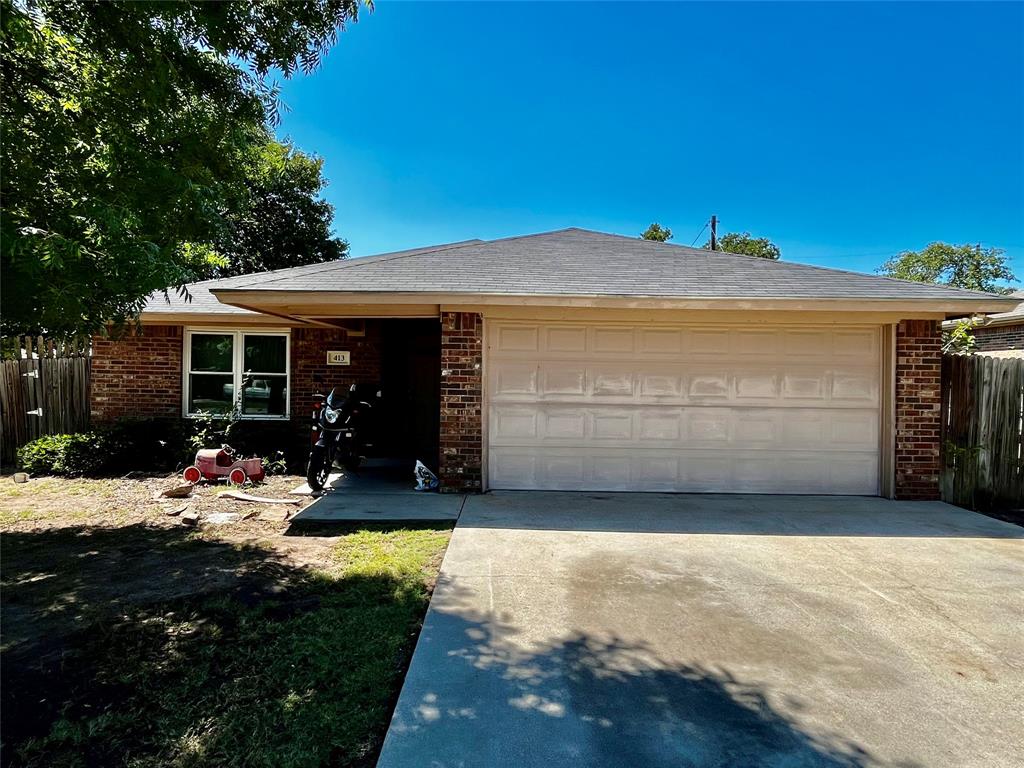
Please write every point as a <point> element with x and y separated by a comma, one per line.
<point>629,407</point>
<point>410,361</point>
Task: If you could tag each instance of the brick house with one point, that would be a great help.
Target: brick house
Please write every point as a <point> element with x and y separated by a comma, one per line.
<point>1002,332</point>
<point>573,360</point>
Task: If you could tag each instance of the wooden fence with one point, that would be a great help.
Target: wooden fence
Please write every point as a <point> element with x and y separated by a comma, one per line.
<point>982,431</point>
<point>44,390</point>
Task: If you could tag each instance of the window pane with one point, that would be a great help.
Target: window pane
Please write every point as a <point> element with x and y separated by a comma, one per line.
<point>210,393</point>
<point>265,354</point>
<point>265,395</point>
<point>212,351</point>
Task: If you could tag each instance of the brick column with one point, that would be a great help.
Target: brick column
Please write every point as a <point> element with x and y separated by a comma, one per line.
<point>918,401</point>
<point>461,402</point>
<point>137,376</point>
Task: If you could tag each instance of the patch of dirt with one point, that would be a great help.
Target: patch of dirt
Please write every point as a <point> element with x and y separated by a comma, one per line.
<point>51,502</point>
<point>73,549</point>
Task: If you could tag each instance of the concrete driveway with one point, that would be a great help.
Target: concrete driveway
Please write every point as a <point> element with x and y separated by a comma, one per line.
<point>665,630</point>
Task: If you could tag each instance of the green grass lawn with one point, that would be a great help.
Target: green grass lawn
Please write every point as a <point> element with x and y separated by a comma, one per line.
<point>296,671</point>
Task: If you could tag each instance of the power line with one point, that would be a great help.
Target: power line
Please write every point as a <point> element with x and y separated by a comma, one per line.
<point>700,233</point>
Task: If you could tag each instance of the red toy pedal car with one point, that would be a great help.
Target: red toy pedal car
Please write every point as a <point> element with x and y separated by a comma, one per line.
<point>215,463</point>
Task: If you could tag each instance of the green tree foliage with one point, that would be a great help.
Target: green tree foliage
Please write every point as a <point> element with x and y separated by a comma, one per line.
<point>284,221</point>
<point>128,130</point>
<point>960,340</point>
<point>657,232</point>
<point>748,245</point>
<point>967,266</point>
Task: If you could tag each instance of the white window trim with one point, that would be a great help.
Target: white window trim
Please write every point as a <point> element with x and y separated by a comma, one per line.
<point>236,365</point>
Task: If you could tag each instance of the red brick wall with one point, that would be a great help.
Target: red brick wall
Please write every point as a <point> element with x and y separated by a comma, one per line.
<point>309,360</point>
<point>138,376</point>
<point>999,337</point>
<point>918,400</point>
<point>461,402</point>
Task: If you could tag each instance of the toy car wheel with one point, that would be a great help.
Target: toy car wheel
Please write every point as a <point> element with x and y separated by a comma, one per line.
<point>192,474</point>
<point>237,476</point>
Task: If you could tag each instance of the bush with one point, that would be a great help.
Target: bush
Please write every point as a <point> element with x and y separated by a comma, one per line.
<point>68,455</point>
<point>150,445</point>
<point>143,445</point>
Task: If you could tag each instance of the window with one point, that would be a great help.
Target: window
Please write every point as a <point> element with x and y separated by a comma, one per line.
<point>228,369</point>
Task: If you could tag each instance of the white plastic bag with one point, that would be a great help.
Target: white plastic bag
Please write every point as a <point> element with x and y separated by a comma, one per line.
<point>425,479</point>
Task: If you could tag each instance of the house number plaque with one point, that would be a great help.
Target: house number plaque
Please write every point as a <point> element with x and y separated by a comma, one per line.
<point>338,358</point>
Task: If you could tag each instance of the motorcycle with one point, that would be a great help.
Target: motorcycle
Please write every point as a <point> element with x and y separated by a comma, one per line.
<point>341,432</point>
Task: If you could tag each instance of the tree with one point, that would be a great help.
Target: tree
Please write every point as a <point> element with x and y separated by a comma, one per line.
<point>284,222</point>
<point>126,134</point>
<point>657,232</point>
<point>967,266</point>
<point>748,245</point>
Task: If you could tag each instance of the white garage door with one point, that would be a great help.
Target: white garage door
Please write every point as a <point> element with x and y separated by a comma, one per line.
<point>642,408</point>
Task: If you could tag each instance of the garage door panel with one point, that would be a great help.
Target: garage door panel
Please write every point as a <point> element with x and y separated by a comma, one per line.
<point>613,407</point>
<point>661,386</point>
<point>515,379</point>
<point>515,424</point>
<point>709,342</point>
<point>861,386</point>
<point>565,339</point>
<point>759,428</point>
<point>800,385</point>
<point>660,342</point>
<point>614,341</point>
<point>708,385</point>
<point>686,470</point>
<point>563,380</point>
<point>517,338</point>
<point>659,426</point>
<point>862,344</point>
<point>609,381</point>
<point>820,429</point>
<point>755,343</point>
<point>612,424</point>
<point>806,343</point>
<point>763,385</point>
<point>565,423</point>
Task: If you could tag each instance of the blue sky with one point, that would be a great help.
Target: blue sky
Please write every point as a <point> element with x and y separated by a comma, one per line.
<point>844,132</point>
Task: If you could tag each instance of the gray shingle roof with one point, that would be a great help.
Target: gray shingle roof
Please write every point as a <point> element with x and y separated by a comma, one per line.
<point>577,262</point>
<point>200,301</point>
<point>1017,313</point>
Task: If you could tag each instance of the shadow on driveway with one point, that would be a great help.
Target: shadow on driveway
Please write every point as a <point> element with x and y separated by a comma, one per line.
<point>595,701</point>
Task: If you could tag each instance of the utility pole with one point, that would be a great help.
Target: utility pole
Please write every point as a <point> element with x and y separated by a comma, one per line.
<point>714,233</point>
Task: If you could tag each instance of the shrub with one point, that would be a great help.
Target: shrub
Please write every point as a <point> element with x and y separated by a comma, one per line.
<point>68,455</point>
<point>142,445</point>
<point>160,445</point>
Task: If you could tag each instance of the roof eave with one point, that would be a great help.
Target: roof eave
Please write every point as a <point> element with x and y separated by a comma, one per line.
<point>299,302</point>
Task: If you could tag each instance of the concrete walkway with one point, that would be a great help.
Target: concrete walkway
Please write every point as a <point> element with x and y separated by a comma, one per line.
<point>380,491</point>
<point>664,630</point>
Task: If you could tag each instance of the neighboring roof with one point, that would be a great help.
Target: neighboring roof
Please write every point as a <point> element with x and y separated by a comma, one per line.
<point>578,262</point>
<point>1013,317</point>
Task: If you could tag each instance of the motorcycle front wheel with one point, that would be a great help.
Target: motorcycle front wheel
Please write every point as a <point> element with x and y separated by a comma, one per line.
<point>318,469</point>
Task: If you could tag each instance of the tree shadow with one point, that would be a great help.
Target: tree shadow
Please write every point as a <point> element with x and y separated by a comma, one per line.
<point>55,580</point>
<point>495,699</point>
<point>153,645</point>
